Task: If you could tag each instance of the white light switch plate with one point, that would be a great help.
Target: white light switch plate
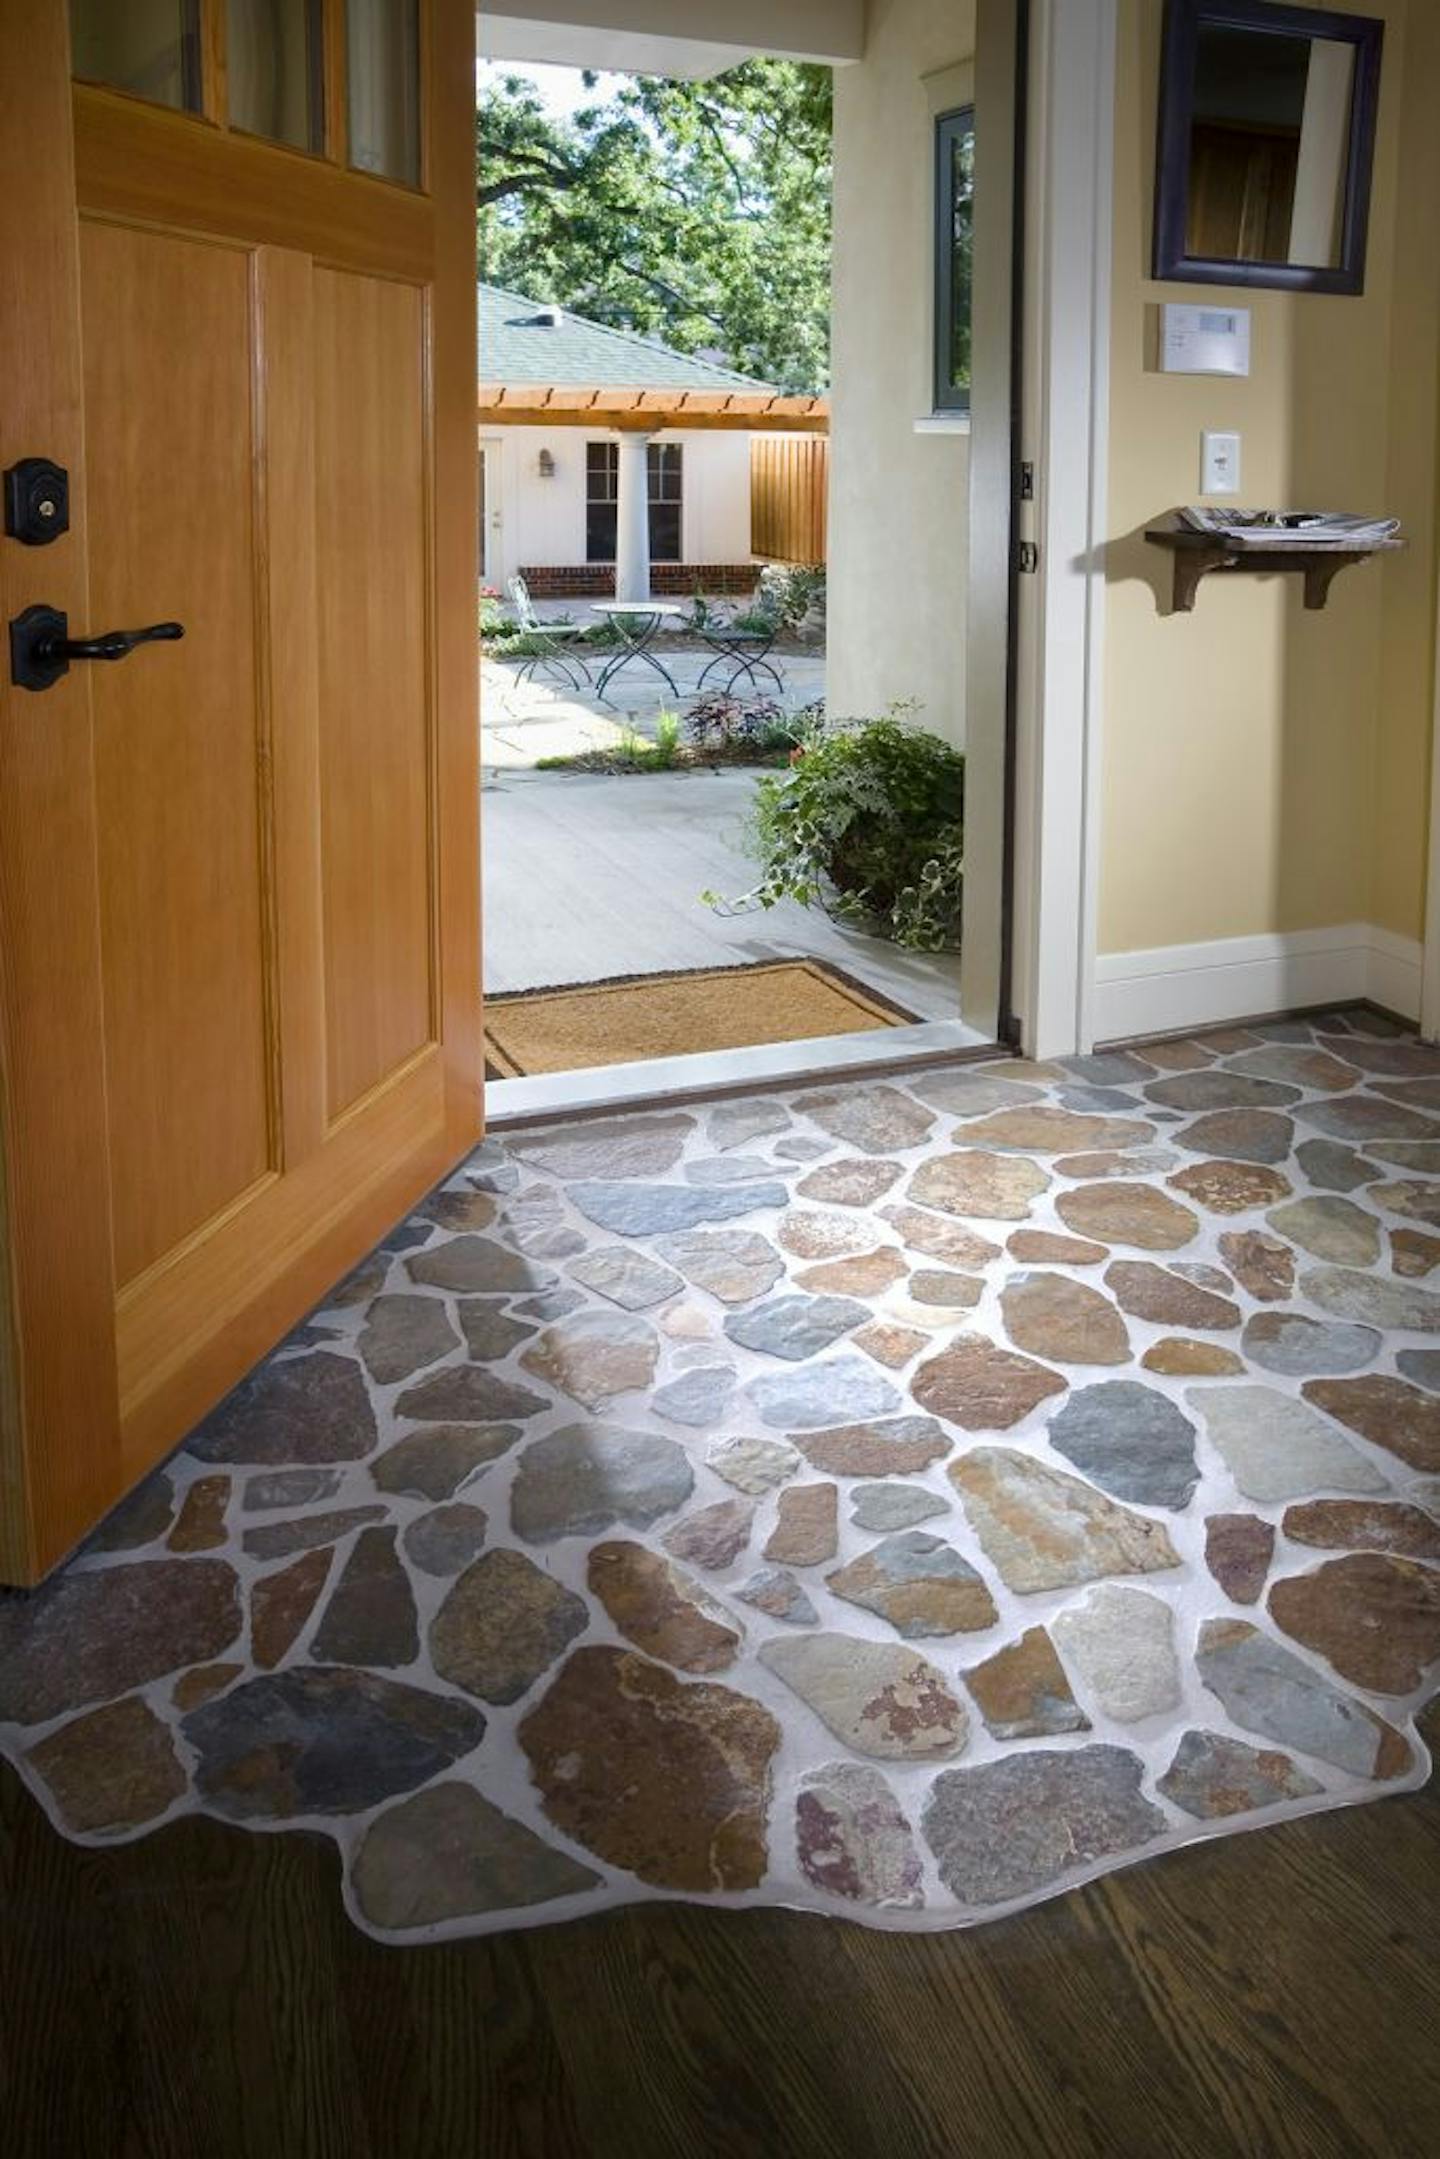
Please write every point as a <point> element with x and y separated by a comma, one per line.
<point>1219,463</point>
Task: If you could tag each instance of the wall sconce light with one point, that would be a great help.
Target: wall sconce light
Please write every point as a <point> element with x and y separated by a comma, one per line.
<point>545,465</point>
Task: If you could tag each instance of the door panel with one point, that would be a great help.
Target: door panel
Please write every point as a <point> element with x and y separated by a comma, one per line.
<point>375,762</point>
<point>239,890</point>
<point>169,391</point>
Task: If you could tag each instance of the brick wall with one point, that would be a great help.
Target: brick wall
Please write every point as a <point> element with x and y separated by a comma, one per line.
<point>668,580</point>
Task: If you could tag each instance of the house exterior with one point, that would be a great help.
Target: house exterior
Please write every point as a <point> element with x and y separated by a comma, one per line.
<point>550,494</point>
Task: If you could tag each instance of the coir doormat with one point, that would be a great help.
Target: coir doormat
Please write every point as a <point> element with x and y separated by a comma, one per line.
<point>675,1015</point>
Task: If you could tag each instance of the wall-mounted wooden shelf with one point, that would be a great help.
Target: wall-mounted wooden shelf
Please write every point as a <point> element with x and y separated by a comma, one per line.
<point>1199,554</point>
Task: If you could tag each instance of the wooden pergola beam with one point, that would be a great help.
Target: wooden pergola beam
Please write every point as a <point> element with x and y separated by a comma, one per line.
<point>503,405</point>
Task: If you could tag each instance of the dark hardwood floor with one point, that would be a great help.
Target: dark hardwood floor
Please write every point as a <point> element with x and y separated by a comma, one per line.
<point>202,1993</point>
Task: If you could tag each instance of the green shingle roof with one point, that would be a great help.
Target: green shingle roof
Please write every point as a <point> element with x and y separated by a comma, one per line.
<point>518,345</point>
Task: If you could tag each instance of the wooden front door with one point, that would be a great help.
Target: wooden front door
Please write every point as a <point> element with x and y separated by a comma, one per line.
<point>239,892</point>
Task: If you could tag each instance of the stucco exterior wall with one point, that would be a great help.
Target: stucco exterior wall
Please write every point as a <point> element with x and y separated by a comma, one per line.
<point>898,512</point>
<point>1265,768</point>
<point>543,521</point>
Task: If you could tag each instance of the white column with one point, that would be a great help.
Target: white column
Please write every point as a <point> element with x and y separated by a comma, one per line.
<point>632,518</point>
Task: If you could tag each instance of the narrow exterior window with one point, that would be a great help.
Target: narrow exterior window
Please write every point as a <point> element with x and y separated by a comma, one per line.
<point>602,491</point>
<point>954,256</point>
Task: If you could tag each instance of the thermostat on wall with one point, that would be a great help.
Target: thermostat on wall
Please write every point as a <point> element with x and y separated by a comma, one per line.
<point>1204,340</point>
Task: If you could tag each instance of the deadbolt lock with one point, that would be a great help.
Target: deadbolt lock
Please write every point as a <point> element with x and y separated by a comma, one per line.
<point>37,501</point>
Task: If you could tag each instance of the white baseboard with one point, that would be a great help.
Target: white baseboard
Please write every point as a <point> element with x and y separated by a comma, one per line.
<point>1180,986</point>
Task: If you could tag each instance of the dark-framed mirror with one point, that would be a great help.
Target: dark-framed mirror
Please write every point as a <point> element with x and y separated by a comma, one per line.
<point>1266,142</point>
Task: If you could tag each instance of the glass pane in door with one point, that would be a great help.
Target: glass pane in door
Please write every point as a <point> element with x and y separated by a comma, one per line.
<point>149,47</point>
<point>382,42</point>
<point>275,72</point>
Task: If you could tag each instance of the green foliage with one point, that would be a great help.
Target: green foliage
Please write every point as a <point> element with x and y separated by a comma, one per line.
<point>793,594</point>
<point>694,212</point>
<point>667,734</point>
<point>868,821</point>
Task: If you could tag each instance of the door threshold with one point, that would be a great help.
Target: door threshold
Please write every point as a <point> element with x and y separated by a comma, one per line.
<point>720,1072</point>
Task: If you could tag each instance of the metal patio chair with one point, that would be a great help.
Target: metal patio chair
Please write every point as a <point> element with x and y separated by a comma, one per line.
<point>557,638</point>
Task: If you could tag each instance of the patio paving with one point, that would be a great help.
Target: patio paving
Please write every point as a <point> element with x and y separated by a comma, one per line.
<point>589,876</point>
<point>541,716</point>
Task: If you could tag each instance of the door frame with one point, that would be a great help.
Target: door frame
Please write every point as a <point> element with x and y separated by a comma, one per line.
<point>1059,690</point>
<point>492,488</point>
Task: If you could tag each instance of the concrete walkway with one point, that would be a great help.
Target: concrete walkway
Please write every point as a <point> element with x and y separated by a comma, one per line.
<point>589,876</point>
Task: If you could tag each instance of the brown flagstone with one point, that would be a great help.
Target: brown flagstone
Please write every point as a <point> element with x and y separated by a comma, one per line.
<point>1238,1551</point>
<point>661,1609</point>
<point>280,1540</point>
<point>854,1181</point>
<point>1375,1618</point>
<point>1043,1130</point>
<point>667,1778</point>
<point>1166,1298</point>
<point>996,1187</point>
<point>889,1344</point>
<point>1371,1525</point>
<point>193,1688</point>
<point>1299,1066</point>
<point>940,1287</point>
<point>1418,1197</point>
<point>805,1532</point>
<point>1390,1413</point>
<point>981,1387</point>
<point>1181,1359</point>
<point>886,1447</point>
<point>868,1274</point>
<point>1052,1316</point>
<point>712,1537</point>
<point>595,1356</point>
<point>201,1526</point>
<point>1241,1135</point>
<point>1260,1263</point>
<point>1413,1253</point>
<point>938,1238</point>
<point>1047,1248</point>
<point>1183,1055</point>
<point>1213,1776</point>
<point>920,1584</point>
<point>873,1120</point>
<point>502,1624</point>
<point>1023,1692</point>
<point>404,1333</point>
<point>1042,1529</point>
<point>113,1768</point>
<point>1230,1187</point>
<point>1134,1214</point>
<point>281,1603</point>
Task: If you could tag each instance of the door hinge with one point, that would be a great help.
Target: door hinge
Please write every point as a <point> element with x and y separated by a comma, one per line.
<point>1027,483</point>
<point>1028,560</point>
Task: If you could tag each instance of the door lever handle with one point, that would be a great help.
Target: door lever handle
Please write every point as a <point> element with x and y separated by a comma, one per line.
<point>41,647</point>
<point>110,644</point>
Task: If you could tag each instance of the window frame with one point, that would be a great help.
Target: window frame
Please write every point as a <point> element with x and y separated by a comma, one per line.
<point>949,399</point>
<point>656,461</point>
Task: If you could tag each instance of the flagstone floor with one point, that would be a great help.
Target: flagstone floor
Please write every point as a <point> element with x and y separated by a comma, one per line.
<point>901,1501</point>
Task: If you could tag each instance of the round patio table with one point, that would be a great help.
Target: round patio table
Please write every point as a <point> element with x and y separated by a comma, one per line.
<point>638,622</point>
<point>745,653</point>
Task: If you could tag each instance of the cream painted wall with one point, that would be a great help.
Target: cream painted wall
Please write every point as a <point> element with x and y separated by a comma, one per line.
<point>543,521</point>
<point>1265,769</point>
<point>898,517</point>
